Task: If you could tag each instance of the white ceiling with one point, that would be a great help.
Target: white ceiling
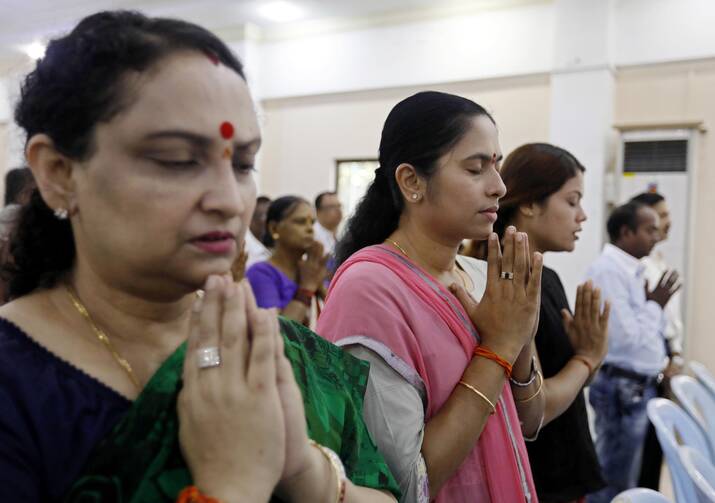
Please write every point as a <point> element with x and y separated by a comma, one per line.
<point>23,21</point>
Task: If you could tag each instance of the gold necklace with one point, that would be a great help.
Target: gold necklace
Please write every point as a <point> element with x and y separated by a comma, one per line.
<point>458,271</point>
<point>102,336</point>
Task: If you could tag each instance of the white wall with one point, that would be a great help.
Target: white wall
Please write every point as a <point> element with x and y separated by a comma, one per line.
<point>656,31</point>
<point>491,43</point>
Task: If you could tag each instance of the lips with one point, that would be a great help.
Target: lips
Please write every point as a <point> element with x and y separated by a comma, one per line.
<point>490,213</point>
<point>216,242</point>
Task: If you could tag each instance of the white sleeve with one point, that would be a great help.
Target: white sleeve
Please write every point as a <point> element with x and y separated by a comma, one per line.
<point>393,411</point>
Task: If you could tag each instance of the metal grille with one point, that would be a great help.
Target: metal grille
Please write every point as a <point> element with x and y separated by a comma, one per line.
<point>662,156</point>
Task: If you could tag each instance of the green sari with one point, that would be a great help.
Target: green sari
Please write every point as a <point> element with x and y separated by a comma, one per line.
<point>141,462</point>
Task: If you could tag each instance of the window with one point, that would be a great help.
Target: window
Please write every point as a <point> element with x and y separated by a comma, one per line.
<point>353,178</point>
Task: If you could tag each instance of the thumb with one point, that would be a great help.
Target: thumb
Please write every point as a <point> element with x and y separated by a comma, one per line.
<point>567,318</point>
<point>467,301</point>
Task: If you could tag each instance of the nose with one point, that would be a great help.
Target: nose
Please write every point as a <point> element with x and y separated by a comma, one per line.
<point>223,192</point>
<point>496,186</point>
<point>581,217</point>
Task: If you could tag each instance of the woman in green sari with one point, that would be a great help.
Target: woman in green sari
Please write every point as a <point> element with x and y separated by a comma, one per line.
<point>141,136</point>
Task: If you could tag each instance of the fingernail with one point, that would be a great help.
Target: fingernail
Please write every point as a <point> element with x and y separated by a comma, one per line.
<point>519,237</point>
<point>493,236</point>
<point>196,306</point>
<point>211,283</point>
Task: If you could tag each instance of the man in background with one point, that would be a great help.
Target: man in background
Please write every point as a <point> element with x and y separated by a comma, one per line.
<point>637,354</point>
<point>255,249</point>
<point>329,213</point>
<point>655,267</point>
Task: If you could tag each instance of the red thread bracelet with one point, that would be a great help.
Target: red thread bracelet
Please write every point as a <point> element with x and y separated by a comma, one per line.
<point>491,355</point>
<point>191,494</point>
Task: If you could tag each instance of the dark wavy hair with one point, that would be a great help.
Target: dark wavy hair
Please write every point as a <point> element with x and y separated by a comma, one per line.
<point>532,173</point>
<point>418,131</point>
<point>280,209</point>
<point>78,84</point>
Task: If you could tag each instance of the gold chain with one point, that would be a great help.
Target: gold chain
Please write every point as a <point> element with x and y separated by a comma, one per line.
<point>102,336</point>
<point>458,271</point>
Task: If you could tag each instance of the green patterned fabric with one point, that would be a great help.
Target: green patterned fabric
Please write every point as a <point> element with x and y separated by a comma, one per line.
<point>141,462</point>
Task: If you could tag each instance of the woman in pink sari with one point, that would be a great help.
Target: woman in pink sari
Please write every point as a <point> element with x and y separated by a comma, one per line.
<point>454,386</point>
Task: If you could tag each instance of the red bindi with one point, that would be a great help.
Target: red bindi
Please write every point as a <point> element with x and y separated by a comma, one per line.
<point>212,56</point>
<point>226,130</point>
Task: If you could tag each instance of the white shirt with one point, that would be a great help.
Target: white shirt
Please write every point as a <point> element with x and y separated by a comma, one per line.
<point>636,326</point>
<point>655,266</point>
<point>324,237</point>
<point>255,250</point>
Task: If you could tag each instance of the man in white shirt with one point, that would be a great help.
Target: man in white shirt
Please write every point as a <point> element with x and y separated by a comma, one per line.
<point>655,267</point>
<point>255,249</point>
<point>636,346</point>
<point>329,213</point>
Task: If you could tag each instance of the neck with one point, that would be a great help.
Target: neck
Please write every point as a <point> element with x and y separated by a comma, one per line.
<point>522,226</point>
<point>327,227</point>
<point>287,259</point>
<point>433,253</point>
<point>626,249</point>
<point>128,317</point>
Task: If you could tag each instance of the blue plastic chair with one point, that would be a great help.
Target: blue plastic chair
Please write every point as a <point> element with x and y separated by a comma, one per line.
<point>703,375</point>
<point>671,420</point>
<point>701,472</point>
<point>640,495</point>
<point>699,403</point>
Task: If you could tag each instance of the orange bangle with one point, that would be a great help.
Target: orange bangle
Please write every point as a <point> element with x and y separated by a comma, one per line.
<point>585,362</point>
<point>191,494</point>
<point>491,355</point>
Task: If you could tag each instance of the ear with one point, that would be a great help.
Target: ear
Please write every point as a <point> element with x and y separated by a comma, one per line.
<point>528,210</point>
<point>410,183</point>
<point>52,172</point>
<point>271,228</point>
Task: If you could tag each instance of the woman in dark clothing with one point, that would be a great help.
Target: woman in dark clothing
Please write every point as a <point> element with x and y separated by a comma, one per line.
<point>544,190</point>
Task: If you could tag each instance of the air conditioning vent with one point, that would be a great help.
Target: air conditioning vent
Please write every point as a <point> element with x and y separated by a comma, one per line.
<point>662,156</point>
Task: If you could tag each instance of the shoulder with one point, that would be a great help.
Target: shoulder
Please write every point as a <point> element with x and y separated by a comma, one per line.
<point>262,269</point>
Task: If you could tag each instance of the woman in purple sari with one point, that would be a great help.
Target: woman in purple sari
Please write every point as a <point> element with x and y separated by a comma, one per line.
<point>293,276</point>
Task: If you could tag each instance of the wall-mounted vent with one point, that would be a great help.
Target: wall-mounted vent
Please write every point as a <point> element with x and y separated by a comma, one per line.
<point>661,156</point>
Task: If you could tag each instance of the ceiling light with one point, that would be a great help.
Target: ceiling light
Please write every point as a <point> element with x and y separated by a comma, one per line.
<point>35,50</point>
<point>280,11</point>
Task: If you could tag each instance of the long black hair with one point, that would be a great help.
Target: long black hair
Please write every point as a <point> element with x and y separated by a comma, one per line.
<point>75,86</point>
<point>418,131</point>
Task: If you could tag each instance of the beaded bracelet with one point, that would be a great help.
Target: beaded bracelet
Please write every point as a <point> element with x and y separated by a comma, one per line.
<point>491,355</point>
<point>338,469</point>
<point>532,376</point>
<point>191,494</point>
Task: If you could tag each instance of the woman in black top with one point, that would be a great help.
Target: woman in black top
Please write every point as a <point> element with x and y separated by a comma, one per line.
<point>544,190</point>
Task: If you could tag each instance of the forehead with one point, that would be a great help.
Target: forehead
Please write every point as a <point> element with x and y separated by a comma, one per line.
<point>647,216</point>
<point>575,183</point>
<point>187,91</point>
<point>301,210</point>
<point>661,208</point>
<point>481,137</point>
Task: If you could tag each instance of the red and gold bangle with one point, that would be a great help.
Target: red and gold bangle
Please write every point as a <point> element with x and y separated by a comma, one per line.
<point>491,355</point>
<point>191,494</point>
<point>304,295</point>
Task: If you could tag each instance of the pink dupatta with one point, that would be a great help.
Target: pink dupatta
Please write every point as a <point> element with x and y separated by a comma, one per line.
<point>379,295</point>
